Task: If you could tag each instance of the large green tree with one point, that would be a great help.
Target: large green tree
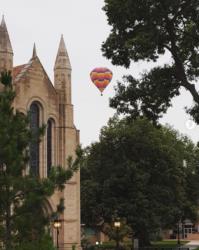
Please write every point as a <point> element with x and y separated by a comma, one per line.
<point>23,195</point>
<point>144,30</point>
<point>137,170</point>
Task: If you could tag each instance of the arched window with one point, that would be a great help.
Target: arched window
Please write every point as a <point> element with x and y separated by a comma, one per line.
<point>49,145</point>
<point>34,145</point>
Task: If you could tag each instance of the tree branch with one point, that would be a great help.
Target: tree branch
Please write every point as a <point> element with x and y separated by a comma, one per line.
<point>180,71</point>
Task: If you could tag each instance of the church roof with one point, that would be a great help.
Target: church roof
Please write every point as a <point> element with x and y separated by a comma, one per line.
<point>17,70</point>
<point>21,70</point>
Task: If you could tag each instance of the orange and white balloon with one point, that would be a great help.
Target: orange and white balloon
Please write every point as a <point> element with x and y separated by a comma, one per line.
<point>101,77</point>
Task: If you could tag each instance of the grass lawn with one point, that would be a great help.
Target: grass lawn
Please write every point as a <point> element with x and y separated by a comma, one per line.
<point>172,244</point>
<point>155,244</point>
<point>168,243</point>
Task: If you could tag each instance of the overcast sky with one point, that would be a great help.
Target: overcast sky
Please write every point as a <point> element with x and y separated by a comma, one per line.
<point>84,26</point>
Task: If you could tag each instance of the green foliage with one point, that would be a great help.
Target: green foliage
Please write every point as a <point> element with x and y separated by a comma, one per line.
<point>117,234</point>
<point>43,244</point>
<point>73,247</point>
<point>136,169</point>
<point>85,243</point>
<point>24,196</point>
<point>144,97</point>
<point>144,31</point>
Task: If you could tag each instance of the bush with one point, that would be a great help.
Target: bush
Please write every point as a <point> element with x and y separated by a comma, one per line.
<point>44,244</point>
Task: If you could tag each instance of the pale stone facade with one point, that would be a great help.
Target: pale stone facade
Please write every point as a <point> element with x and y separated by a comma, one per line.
<point>32,85</point>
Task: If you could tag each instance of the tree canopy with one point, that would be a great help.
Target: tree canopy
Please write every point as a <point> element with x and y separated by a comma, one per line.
<point>137,170</point>
<point>146,30</point>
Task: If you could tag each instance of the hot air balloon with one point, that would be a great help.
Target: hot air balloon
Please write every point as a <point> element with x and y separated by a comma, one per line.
<point>101,77</point>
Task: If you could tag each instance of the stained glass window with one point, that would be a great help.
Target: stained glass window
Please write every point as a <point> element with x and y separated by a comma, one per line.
<point>34,145</point>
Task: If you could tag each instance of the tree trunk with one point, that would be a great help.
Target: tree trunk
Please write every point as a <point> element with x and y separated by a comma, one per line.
<point>8,224</point>
<point>143,237</point>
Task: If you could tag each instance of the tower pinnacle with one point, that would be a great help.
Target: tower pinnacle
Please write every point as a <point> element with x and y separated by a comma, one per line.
<point>62,73</point>
<point>62,59</point>
<point>6,52</point>
<point>4,37</point>
<point>3,23</point>
<point>34,53</point>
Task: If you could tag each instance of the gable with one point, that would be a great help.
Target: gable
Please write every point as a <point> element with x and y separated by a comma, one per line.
<point>31,82</point>
<point>32,68</point>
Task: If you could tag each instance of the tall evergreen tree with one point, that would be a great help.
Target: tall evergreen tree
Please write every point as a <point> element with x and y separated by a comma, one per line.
<point>23,195</point>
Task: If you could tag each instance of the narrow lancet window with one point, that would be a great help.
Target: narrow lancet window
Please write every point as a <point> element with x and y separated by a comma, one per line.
<point>49,145</point>
<point>34,145</point>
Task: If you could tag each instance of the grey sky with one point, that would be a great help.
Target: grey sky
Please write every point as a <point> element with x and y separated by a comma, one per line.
<point>84,27</point>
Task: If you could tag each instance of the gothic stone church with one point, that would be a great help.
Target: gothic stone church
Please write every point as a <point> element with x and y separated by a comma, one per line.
<point>49,104</point>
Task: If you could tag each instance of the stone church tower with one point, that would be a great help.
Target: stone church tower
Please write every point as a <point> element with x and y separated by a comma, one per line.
<point>49,104</point>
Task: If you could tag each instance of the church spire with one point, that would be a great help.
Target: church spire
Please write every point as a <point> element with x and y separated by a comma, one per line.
<point>6,52</point>
<point>62,73</point>
<point>5,45</point>
<point>3,23</point>
<point>62,59</point>
<point>34,53</point>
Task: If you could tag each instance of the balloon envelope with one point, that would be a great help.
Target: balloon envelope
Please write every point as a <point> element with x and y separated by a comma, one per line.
<point>101,77</point>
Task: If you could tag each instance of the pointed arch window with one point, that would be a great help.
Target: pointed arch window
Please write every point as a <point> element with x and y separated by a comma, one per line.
<point>50,126</point>
<point>34,145</point>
